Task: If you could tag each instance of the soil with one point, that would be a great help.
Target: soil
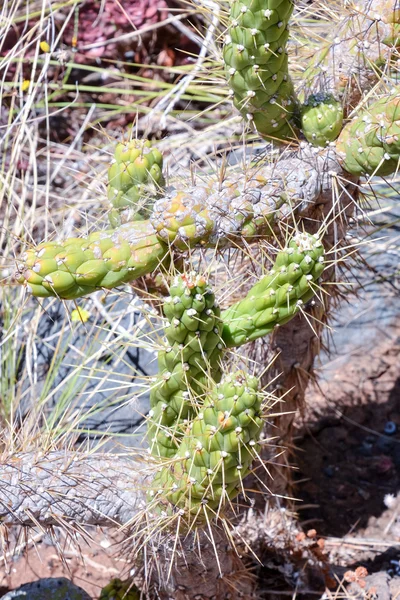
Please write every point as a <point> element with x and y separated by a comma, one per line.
<point>348,464</point>
<point>89,565</point>
<point>353,437</point>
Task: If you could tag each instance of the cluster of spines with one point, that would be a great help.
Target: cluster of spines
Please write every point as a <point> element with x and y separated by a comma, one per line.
<point>134,180</point>
<point>216,452</point>
<point>188,365</point>
<point>79,266</point>
<point>370,143</point>
<point>256,64</point>
<point>278,296</point>
<point>321,119</point>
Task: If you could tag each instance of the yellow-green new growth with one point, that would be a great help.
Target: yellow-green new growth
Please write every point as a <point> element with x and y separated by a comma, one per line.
<point>79,266</point>
<point>134,180</point>
<point>370,143</point>
<point>256,63</point>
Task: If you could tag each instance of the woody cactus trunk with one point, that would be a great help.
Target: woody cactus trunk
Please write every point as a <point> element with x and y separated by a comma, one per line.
<point>205,425</point>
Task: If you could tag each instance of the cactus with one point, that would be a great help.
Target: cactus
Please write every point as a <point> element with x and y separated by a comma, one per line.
<point>188,363</point>
<point>120,590</point>
<point>79,266</point>
<point>204,427</point>
<point>256,65</point>
<point>246,208</point>
<point>217,450</point>
<point>278,296</point>
<point>370,143</point>
<point>321,119</point>
<point>134,179</point>
<point>209,431</point>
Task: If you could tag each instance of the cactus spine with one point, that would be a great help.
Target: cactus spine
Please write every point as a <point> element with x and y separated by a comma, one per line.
<point>134,179</point>
<point>370,143</point>
<point>256,64</point>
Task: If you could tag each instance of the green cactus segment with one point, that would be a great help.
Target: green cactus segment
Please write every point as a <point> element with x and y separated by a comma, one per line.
<point>321,119</point>
<point>279,295</point>
<point>134,180</point>
<point>370,143</point>
<point>217,450</point>
<point>79,266</point>
<point>120,590</point>
<point>189,362</point>
<point>256,64</point>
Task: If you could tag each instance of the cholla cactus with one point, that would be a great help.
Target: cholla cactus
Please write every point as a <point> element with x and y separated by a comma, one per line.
<point>321,119</point>
<point>205,422</point>
<point>257,65</point>
<point>135,176</point>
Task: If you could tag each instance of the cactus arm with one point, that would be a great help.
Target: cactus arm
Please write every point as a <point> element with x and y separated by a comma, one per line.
<point>79,266</point>
<point>256,64</point>
<point>248,207</point>
<point>134,179</point>
<point>217,450</point>
<point>59,487</point>
<point>278,296</point>
<point>188,363</point>
<point>370,143</point>
<point>362,40</point>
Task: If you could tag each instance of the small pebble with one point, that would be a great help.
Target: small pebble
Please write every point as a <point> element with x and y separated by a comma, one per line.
<point>390,428</point>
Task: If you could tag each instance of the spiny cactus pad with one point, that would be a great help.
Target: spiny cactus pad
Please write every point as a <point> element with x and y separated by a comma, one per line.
<point>370,143</point>
<point>120,590</point>
<point>321,119</point>
<point>189,362</point>
<point>278,296</point>
<point>79,266</point>
<point>217,450</point>
<point>134,180</point>
<point>256,64</point>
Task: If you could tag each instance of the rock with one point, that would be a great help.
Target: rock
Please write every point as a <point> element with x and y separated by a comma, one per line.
<point>52,588</point>
<point>377,586</point>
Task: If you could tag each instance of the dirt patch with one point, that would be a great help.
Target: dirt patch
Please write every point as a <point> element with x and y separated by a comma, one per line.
<point>89,565</point>
<point>349,453</point>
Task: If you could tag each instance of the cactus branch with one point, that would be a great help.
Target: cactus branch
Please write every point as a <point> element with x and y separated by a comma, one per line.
<point>60,487</point>
<point>354,55</point>
<point>246,208</point>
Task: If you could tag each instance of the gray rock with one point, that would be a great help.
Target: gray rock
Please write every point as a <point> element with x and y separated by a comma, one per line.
<point>51,588</point>
<point>377,585</point>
